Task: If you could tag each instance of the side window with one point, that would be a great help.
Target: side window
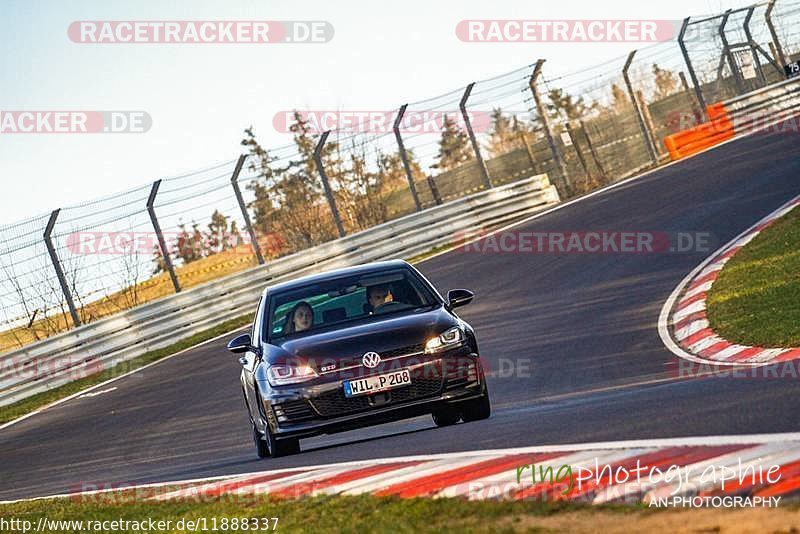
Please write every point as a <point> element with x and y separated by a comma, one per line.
<point>255,331</point>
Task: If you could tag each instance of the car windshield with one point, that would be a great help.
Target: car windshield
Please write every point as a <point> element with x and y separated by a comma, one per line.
<point>298,311</point>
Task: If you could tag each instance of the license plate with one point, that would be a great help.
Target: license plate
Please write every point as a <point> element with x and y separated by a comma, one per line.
<point>374,384</point>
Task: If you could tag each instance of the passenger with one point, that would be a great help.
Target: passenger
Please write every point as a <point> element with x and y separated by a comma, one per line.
<point>300,318</point>
<point>378,295</point>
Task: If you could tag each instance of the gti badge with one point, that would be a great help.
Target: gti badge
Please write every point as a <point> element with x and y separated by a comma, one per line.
<point>371,359</point>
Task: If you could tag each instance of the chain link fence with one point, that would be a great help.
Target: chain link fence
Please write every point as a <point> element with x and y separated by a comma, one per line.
<point>584,129</point>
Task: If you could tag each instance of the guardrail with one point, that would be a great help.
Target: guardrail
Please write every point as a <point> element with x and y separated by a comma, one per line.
<point>775,102</point>
<point>90,348</point>
<point>738,116</point>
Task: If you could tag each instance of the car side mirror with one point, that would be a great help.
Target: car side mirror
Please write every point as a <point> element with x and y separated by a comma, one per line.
<point>459,297</point>
<point>240,344</point>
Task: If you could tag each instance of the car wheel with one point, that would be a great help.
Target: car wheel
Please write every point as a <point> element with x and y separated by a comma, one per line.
<point>476,409</point>
<point>262,448</point>
<point>446,416</point>
<point>283,446</point>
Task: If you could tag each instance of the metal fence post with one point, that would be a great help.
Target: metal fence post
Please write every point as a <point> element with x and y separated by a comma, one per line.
<point>592,151</point>
<point>529,152</point>
<point>437,198</point>
<point>62,280</point>
<point>726,50</point>
<point>695,111</point>
<point>647,135</point>
<point>753,48</point>
<point>648,120</point>
<point>562,169</point>
<point>245,214</point>
<point>326,185</point>
<point>475,147</point>
<point>581,159</point>
<point>402,149</point>
<point>773,32</point>
<point>160,235</point>
<point>697,90</point>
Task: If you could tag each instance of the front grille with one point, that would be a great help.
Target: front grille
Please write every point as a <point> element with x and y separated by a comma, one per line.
<point>293,411</point>
<point>334,403</point>
<point>355,361</point>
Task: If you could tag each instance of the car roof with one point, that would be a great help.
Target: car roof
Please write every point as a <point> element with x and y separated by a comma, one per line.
<point>365,268</point>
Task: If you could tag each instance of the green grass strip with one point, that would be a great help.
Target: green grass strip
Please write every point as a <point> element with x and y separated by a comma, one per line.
<point>756,298</point>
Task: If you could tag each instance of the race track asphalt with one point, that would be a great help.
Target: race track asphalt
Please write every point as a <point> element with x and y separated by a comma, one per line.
<point>580,330</point>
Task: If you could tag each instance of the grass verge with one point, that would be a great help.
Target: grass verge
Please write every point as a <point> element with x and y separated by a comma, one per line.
<point>317,514</point>
<point>18,409</point>
<point>373,514</point>
<point>756,298</point>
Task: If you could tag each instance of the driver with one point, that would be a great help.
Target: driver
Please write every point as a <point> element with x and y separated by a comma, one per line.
<point>379,295</point>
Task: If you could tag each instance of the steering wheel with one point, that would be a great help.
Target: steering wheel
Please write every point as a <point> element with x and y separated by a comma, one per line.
<point>387,306</point>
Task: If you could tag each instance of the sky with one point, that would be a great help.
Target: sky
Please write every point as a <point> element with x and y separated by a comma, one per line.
<point>200,97</point>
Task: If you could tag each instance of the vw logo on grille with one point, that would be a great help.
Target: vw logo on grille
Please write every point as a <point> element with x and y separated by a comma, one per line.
<point>371,359</point>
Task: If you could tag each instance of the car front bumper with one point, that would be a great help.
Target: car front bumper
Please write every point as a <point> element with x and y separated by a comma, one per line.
<point>437,381</point>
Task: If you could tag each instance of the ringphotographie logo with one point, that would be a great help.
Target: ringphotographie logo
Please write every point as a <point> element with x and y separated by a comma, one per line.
<point>382,121</point>
<point>572,31</point>
<point>73,122</point>
<point>200,31</point>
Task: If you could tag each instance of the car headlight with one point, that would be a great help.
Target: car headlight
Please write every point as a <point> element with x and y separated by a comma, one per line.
<point>450,338</point>
<point>281,375</point>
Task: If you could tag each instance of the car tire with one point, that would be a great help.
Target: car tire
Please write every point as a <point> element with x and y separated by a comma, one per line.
<point>476,409</point>
<point>283,446</point>
<point>262,447</point>
<point>446,416</point>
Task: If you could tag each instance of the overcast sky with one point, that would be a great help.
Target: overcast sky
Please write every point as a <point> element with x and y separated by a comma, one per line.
<point>200,97</point>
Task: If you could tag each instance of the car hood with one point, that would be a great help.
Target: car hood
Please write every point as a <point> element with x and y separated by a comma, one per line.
<point>395,332</point>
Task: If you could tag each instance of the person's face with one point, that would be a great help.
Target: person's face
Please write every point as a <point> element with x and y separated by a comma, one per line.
<point>378,296</point>
<point>303,317</point>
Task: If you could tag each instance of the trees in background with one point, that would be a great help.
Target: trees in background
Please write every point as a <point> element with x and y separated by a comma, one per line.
<point>665,82</point>
<point>561,102</point>
<point>454,147</point>
<point>506,133</point>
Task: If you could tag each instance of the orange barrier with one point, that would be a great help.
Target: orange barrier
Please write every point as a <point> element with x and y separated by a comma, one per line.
<point>688,142</point>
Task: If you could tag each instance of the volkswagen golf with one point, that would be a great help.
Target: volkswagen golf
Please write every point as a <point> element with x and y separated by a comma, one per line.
<point>355,347</point>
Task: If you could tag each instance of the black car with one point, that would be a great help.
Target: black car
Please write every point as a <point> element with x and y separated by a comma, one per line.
<point>355,347</point>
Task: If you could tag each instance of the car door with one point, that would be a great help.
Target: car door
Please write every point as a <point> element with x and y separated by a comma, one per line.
<point>249,361</point>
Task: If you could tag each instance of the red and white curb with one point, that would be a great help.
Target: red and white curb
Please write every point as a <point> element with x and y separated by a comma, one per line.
<point>684,325</point>
<point>754,466</point>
